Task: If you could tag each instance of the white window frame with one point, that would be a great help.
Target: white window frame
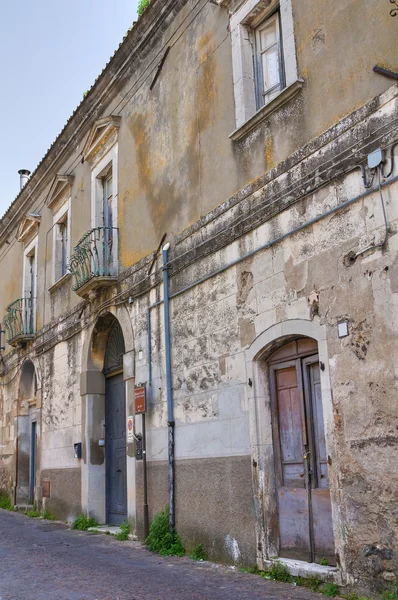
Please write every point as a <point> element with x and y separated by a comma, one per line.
<point>243,24</point>
<point>34,244</point>
<point>107,163</point>
<point>58,218</point>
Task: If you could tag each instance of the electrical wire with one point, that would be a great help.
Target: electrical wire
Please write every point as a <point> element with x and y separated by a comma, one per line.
<point>130,291</point>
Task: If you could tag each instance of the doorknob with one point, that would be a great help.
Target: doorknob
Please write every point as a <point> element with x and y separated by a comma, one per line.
<point>118,470</point>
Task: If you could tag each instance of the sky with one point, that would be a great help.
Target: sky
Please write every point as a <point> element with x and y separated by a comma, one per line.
<point>51,51</point>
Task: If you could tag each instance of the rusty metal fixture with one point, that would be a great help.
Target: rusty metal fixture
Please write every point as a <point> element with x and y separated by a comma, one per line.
<point>394,11</point>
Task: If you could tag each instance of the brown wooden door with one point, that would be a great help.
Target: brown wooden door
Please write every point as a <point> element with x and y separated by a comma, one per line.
<point>302,480</point>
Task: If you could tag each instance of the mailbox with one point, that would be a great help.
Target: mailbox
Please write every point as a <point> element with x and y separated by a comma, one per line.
<point>138,447</point>
<point>78,449</point>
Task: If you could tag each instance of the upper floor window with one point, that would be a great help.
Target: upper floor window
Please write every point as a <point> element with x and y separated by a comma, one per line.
<point>269,60</point>
<point>61,246</point>
<point>59,200</point>
<point>29,287</point>
<point>263,59</point>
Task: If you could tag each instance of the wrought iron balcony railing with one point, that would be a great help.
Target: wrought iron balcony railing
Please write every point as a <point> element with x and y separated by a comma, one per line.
<point>94,261</point>
<point>19,321</point>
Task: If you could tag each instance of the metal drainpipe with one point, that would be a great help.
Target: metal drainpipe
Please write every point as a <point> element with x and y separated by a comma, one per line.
<point>170,416</point>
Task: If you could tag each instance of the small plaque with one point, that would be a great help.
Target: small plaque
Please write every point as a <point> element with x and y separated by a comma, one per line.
<point>45,488</point>
<point>140,400</point>
<point>130,430</point>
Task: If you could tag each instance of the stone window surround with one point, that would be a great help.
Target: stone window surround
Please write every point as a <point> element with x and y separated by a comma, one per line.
<point>247,115</point>
<point>57,218</point>
<point>33,246</point>
<point>107,163</point>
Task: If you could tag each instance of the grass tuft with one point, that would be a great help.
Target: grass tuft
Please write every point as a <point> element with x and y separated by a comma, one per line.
<point>199,553</point>
<point>160,539</point>
<point>330,590</point>
<point>47,515</point>
<point>123,535</point>
<point>5,502</point>
<point>83,523</point>
<point>142,5</point>
<point>279,572</point>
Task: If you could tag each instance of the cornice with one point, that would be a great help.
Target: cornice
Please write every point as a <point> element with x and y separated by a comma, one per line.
<point>60,186</point>
<point>102,130</point>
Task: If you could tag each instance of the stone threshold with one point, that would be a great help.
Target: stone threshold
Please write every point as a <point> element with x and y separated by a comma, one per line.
<point>301,568</point>
<point>110,530</point>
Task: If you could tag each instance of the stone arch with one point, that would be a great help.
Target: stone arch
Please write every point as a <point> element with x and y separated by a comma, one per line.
<point>28,382</point>
<point>260,418</point>
<point>96,337</point>
<point>27,433</point>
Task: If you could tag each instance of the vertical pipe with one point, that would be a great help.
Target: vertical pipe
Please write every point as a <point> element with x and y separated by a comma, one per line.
<point>146,515</point>
<point>170,417</point>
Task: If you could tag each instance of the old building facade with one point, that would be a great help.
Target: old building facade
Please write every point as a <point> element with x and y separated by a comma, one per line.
<point>217,223</point>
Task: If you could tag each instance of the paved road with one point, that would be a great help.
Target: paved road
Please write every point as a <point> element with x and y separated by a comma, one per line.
<point>40,560</point>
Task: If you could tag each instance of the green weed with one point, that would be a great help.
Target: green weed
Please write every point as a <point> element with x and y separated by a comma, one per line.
<point>324,562</point>
<point>199,553</point>
<point>5,502</point>
<point>33,514</point>
<point>312,583</point>
<point>389,595</point>
<point>278,571</point>
<point>330,590</point>
<point>353,596</point>
<point>160,539</point>
<point>47,515</point>
<point>83,523</point>
<point>123,535</point>
<point>142,5</point>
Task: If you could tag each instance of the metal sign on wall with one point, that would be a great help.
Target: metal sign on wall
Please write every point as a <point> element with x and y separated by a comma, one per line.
<point>130,429</point>
<point>140,400</point>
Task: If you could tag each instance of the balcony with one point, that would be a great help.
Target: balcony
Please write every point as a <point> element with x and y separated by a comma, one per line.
<point>93,263</point>
<point>19,322</point>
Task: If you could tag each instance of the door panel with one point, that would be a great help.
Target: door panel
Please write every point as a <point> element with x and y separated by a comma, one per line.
<point>323,530</point>
<point>115,444</point>
<point>32,463</point>
<point>290,427</point>
<point>304,507</point>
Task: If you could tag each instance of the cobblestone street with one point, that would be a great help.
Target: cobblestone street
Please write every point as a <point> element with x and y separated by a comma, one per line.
<point>40,560</point>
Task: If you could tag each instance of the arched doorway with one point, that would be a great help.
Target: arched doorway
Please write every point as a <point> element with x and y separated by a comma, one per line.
<point>266,464</point>
<point>27,432</point>
<point>300,456</point>
<point>106,384</point>
<point>115,428</point>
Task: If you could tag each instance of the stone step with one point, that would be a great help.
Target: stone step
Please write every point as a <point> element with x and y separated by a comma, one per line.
<point>23,507</point>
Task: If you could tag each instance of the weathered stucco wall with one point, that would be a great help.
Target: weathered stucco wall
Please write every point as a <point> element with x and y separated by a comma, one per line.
<point>179,173</point>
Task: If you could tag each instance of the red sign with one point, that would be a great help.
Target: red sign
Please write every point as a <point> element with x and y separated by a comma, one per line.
<point>140,400</point>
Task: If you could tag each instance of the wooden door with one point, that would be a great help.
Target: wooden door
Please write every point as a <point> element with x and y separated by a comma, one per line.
<point>115,445</point>
<point>304,507</point>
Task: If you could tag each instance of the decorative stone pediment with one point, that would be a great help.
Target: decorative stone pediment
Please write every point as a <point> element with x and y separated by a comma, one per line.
<point>60,187</point>
<point>28,227</point>
<point>102,136</point>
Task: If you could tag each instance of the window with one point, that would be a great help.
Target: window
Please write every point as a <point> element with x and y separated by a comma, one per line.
<point>269,60</point>
<point>104,220</point>
<point>263,60</point>
<point>61,245</point>
<point>29,288</point>
<point>61,249</point>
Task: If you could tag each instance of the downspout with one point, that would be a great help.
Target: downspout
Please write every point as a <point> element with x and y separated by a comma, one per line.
<point>170,415</point>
